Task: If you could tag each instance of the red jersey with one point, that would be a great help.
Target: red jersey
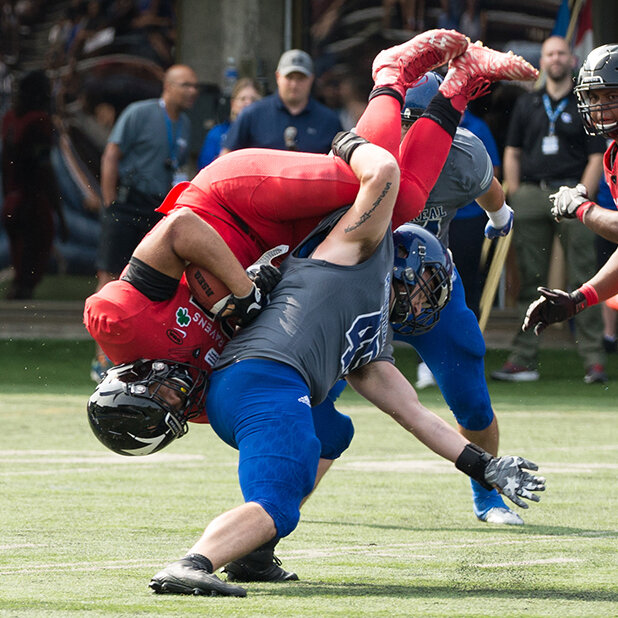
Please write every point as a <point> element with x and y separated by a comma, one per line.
<point>128,325</point>
<point>610,164</point>
<point>257,198</point>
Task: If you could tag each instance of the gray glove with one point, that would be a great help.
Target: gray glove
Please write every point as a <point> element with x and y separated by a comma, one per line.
<point>507,475</point>
<point>567,200</point>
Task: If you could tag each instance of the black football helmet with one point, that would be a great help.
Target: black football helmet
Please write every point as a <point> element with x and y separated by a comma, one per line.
<point>424,267</point>
<point>129,415</point>
<point>599,72</point>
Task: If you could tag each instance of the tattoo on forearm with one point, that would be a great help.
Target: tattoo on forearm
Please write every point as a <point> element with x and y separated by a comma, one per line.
<point>367,215</point>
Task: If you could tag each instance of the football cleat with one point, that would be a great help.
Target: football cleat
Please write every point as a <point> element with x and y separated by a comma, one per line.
<point>258,566</point>
<point>515,373</point>
<point>470,74</point>
<point>501,515</point>
<point>188,576</point>
<point>400,66</point>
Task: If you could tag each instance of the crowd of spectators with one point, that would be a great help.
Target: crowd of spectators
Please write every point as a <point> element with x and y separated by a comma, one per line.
<point>145,28</point>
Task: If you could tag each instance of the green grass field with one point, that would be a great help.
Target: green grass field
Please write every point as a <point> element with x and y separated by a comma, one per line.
<point>390,532</point>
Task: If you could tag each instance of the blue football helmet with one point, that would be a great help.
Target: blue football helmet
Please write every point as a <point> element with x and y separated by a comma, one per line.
<point>129,414</point>
<point>419,95</point>
<point>599,72</point>
<point>422,272</point>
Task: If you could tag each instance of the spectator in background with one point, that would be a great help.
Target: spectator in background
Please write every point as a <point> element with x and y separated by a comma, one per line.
<point>547,147</point>
<point>245,92</point>
<point>471,21</point>
<point>31,196</point>
<point>354,92</point>
<point>290,119</point>
<point>143,159</point>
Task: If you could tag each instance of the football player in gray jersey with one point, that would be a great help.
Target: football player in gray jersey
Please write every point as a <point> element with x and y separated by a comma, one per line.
<point>259,400</point>
<point>454,350</point>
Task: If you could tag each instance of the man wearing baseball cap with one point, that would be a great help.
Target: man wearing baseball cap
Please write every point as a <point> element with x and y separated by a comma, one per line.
<point>289,119</point>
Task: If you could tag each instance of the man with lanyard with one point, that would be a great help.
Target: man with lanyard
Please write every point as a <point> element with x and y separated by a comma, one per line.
<point>141,162</point>
<point>547,147</point>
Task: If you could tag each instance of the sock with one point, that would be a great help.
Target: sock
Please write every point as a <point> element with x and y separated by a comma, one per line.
<point>484,499</point>
<point>444,112</point>
<point>381,123</point>
<point>201,561</point>
<point>269,545</point>
<point>423,153</point>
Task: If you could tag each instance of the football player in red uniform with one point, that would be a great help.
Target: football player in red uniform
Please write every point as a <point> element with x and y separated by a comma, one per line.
<point>597,94</point>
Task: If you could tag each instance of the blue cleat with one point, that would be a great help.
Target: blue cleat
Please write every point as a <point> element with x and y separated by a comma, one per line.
<point>490,507</point>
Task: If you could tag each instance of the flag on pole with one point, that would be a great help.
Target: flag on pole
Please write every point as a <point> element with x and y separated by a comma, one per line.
<point>574,23</point>
<point>583,42</point>
<point>562,20</point>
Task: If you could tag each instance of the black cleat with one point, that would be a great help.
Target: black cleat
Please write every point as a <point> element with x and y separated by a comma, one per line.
<point>188,576</point>
<point>259,566</point>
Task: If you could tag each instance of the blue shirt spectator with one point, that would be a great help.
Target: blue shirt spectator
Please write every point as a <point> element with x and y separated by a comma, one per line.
<point>245,92</point>
<point>290,119</point>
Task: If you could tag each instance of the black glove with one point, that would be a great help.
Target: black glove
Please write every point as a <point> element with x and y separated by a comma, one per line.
<point>243,310</point>
<point>553,306</point>
<point>508,475</point>
<point>265,277</point>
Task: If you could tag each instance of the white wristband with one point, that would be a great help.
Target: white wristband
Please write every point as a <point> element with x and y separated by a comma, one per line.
<point>500,217</point>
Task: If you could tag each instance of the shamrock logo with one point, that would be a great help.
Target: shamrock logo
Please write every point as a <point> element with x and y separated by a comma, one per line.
<point>182,316</point>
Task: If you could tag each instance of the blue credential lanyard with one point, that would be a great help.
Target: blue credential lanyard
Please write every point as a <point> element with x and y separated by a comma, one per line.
<point>171,136</point>
<point>553,115</point>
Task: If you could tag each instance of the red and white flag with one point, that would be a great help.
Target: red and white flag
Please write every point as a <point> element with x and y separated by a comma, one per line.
<point>583,42</point>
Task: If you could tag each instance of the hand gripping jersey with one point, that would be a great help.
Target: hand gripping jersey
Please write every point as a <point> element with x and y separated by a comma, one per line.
<point>323,319</point>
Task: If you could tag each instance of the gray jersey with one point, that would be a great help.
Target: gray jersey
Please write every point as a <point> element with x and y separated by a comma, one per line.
<point>323,319</point>
<point>467,173</point>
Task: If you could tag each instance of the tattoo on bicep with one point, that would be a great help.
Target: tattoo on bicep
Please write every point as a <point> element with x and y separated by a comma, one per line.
<point>367,215</point>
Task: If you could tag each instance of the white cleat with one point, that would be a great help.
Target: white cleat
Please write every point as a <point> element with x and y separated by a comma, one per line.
<point>501,515</point>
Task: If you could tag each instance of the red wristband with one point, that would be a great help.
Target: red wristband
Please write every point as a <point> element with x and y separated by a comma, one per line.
<point>582,209</point>
<point>592,298</point>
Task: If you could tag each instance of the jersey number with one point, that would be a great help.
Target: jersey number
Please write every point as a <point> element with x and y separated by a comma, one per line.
<point>365,342</point>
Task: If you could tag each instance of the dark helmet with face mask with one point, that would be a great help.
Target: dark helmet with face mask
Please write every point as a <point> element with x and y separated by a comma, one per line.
<point>422,270</point>
<point>599,72</point>
<point>128,413</point>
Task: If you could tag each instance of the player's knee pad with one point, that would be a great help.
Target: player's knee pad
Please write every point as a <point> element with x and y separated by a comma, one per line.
<point>333,429</point>
<point>472,407</point>
<point>279,483</point>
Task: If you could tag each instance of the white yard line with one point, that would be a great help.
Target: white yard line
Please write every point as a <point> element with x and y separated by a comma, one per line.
<point>499,565</point>
<point>395,550</point>
<point>79,566</point>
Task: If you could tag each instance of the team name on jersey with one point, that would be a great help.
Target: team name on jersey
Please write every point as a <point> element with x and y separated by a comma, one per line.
<point>208,326</point>
<point>433,213</point>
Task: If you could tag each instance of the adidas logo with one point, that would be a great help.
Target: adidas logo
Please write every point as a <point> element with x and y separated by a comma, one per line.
<point>305,399</point>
